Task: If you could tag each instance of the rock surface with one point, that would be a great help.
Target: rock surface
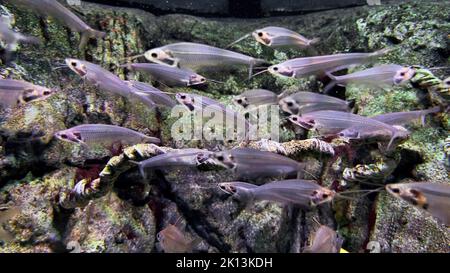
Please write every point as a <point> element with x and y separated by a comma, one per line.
<point>34,167</point>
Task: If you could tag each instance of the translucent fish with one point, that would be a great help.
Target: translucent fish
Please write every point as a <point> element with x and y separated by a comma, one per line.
<point>168,75</point>
<point>431,197</point>
<point>380,76</point>
<point>173,240</point>
<point>177,158</point>
<point>329,123</point>
<point>56,10</point>
<point>107,81</point>
<point>402,118</point>
<point>279,37</point>
<point>282,37</point>
<point>106,135</point>
<point>17,92</point>
<point>324,240</point>
<point>197,56</point>
<point>303,193</point>
<point>256,97</point>
<point>305,102</point>
<point>251,164</point>
<point>302,67</point>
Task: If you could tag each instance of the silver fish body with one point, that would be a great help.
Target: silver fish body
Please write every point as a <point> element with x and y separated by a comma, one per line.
<point>62,14</point>
<point>431,197</point>
<point>105,135</point>
<point>178,158</point>
<point>302,67</point>
<point>107,81</point>
<point>304,193</point>
<point>17,92</point>
<point>281,37</point>
<point>402,118</point>
<point>305,102</point>
<point>256,97</point>
<point>251,164</point>
<point>332,123</point>
<point>197,56</point>
<point>168,75</point>
<point>383,75</point>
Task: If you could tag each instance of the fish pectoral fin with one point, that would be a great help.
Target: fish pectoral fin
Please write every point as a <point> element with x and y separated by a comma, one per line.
<point>84,39</point>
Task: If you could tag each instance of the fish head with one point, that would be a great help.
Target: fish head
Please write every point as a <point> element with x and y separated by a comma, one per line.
<point>69,136</point>
<point>77,66</point>
<point>281,70</point>
<point>304,122</point>
<point>196,79</point>
<point>202,157</point>
<point>186,99</point>
<point>35,94</point>
<point>262,36</point>
<point>289,105</point>
<point>224,159</point>
<point>241,100</point>
<point>228,188</point>
<point>409,194</point>
<point>158,55</point>
<point>350,133</point>
<point>322,195</point>
<point>404,75</point>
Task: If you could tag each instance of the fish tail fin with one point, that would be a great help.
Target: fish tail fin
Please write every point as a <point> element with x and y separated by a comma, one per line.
<point>88,34</point>
<point>153,140</point>
<point>381,52</point>
<point>433,110</point>
<point>30,40</point>
<point>314,41</point>
<point>328,87</point>
<point>141,168</point>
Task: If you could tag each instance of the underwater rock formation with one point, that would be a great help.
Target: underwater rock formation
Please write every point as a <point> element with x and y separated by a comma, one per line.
<point>35,168</point>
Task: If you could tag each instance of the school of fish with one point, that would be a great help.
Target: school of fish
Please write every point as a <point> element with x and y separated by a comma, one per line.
<point>186,64</point>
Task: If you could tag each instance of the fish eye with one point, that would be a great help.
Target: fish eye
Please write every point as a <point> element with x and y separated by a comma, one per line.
<point>183,97</point>
<point>290,104</point>
<point>260,34</point>
<point>239,101</point>
<point>275,68</point>
<point>395,190</point>
<point>324,196</point>
<point>447,82</point>
<point>64,136</point>
<point>203,80</point>
<point>294,118</point>
<point>46,93</point>
<point>73,64</point>
<point>220,158</point>
<point>402,74</point>
<point>154,55</point>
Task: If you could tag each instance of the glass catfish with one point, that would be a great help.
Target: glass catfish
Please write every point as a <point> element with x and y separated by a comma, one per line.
<point>305,102</point>
<point>324,240</point>
<point>256,97</point>
<point>107,81</point>
<point>303,193</point>
<point>168,75</point>
<point>380,76</point>
<point>178,158</point>
<point>332,123</point>
<point>62,14</point>
<point>402,118</point>
<point>157,96</point>
<point>103,134</point>
<point>12,38</point>
<point>251,163</point>
<point>276,37</point>
<point>199,56</point>
<point>307,66</point>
